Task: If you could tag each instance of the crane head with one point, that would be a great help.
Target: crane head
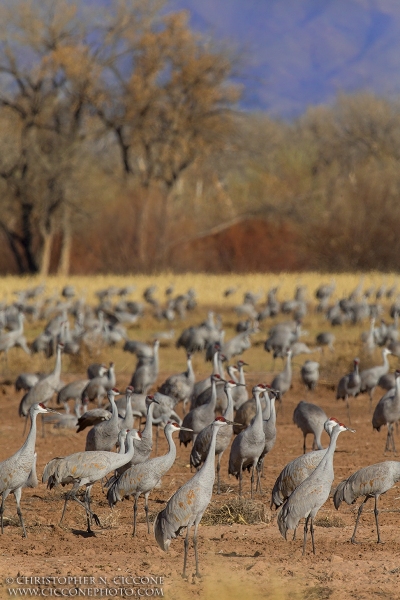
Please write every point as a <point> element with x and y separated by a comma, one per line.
<point>330,424</point>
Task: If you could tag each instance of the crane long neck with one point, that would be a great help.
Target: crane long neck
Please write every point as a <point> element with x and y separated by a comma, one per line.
<point>215,370</point>
<point>171,454</point>
<point>257,421</point>
<point>190,371</point>
<point>29,444</point>
<point>228,413</point>
<point>114,409</point>
<point>122,459</point>
<point>241,375</point>
<point>213,398</point>
<point>57,368</point>
<point>209,462</point>
<point>128,411</point>
<point>148,428</point>
<point>327,461</point>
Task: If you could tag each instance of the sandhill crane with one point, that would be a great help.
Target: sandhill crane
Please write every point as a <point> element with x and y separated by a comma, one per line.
<point>249,444</point>
<point>180,386</point>
<point>75,389</point>
<point>104,435</point>
<point>44,389</point>
<point>349,385</point>
<point>97,388</point>
<point>246,412</point>
<point>310,418</point>
<point>186,507</point>
<point>310,374</point>
<point>202,443</point>
<point>85,468</point>
<point>326,338</point>
<point>144,448</point>
<point>297,470</point>
<point>281,337</point>
<point>201,416</point>
<point>146,372</point>
<point>370,377</point>
<point>387,412</point>
<point>238,344</point>
<point>19,470</point>
<point>269,426</point>
<point>387,381</point>
<point>239,393</point>
<point>370,482</point>
<point>204,384</point>
<point>311,494</point>
<point>143,478</point>
<point>26,381</point>
<point>15,337</point>
<point>283,380</point>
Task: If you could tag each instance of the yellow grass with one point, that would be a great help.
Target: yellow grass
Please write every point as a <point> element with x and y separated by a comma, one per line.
<point>209,287</point>
<point>210,295</point>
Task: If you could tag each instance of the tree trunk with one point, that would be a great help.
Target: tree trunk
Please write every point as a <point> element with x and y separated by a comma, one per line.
<point>66,245</point>
<point>46,253</point>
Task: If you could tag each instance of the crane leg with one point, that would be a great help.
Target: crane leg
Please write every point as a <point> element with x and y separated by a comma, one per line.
<point>305,535</point>
<point>294,534</point>
<point>3,499</point>
<point>251,482</point>
<point>312,534</point>
<point>260,468</point>
<point>146,508</point>
<point>186,548</point>
<point>196,556</point>
<point>392,438</point>
<point>353,537</point>
<point>240,479</point>
<point>134,516</point>
<point>218,474</point>
<point>304,443</point>
<point>376,513</point>
<point>17,495</point>
<point>348,410</point>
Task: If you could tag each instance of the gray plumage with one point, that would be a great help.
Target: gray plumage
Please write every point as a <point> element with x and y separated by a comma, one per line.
<point>19,470</point>
<point>269,427</point>
<point>186,507</point>
<point>387,412</point>
<point>97,388</point>
<point>311,494</point>
<point>84,469</point>
<point>370,377</point>
<point>201,416</point>
<point>25,381</point>
<point>370,482</point>
<point>202,443</point>
<point>310,374</point>
<point>180,386</point>
<point>144,447</point>
<point>326,338</point>
<point>310,418</point>
<point>44,389</point>
<point>349,385</point>
<point>146,372</point>
<point>143,478</point>
<point>248,445</point>
<point>283,380</point>
<point>239,393</point>
<point>71,391</point>
<point>238,344</point>
<point>104,435</point>
<point>297,470</point>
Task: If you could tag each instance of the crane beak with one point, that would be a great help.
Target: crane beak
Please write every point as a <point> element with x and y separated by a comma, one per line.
<point>53,411</point>
<point>352,430</point>
<point>240,385</point>
<point>185,429</point>
<point>233,423</point>
<point>156,401</point>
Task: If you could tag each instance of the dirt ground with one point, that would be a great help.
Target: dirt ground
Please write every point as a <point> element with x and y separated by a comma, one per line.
<point>237,560</point>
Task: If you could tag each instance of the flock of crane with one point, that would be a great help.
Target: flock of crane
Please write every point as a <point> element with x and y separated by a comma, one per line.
<point>218,414</point>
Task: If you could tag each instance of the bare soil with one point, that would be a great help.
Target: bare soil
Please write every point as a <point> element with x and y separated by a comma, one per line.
<point>239,560</point>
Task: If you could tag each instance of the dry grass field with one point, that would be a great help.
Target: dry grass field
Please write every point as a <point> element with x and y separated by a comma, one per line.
<point>241,551</point>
